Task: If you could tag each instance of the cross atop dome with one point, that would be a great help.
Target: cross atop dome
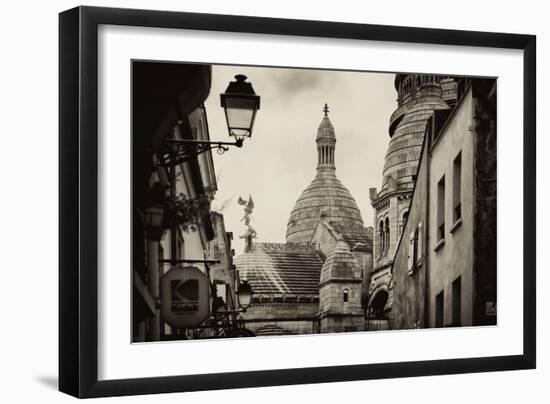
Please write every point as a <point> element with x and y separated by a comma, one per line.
<point>326,130</point>
<point>325,109</point>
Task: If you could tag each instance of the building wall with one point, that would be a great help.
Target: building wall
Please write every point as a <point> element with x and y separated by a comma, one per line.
<point>485,188</point>
<point>282,327</point>
<point>324,240</point>
<point>409,288</point>
<point>332,324</point>
<point>365,263</point>
<point>157,109</point>
<point>332,297</point>
<point>220,249</point>
<point>393,209</point>
<point>418,97</point>
<point>340,292</point>
<point>454,257</point>
<point>294,318</point>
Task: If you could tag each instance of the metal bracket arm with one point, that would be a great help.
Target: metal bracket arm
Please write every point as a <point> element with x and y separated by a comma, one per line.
<point>178,151</point>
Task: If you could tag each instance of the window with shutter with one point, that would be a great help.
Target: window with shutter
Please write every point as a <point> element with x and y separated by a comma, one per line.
<point>419,251</point>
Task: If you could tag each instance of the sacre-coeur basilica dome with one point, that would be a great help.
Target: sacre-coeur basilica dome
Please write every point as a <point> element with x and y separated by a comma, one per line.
<point>326,196</point>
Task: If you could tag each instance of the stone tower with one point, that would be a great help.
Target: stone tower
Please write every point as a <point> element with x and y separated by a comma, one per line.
<point>418,97</point>
<point>340,292</point>
<point>325,194</point>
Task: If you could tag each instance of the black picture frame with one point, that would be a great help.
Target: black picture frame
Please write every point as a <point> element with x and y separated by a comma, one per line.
<point>78,200</point>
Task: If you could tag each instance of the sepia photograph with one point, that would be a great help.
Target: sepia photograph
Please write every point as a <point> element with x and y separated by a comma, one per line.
<point>281,201</point>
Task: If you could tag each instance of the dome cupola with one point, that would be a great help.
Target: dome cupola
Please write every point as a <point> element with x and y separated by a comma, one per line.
<point>325,196</point>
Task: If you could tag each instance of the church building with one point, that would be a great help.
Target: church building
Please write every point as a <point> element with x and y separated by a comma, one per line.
<point>418,97</point>
<point>317,281</point>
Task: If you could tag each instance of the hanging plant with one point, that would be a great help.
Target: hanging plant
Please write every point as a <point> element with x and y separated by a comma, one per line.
<point>186,212</point>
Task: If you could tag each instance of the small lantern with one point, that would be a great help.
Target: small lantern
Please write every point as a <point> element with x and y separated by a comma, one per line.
<point>240,103</point>
<point>153,221</point>
<point>244,294</point>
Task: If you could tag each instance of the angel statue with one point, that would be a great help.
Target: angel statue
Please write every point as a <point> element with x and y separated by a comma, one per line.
<point>250,232</point>
<point>248,236</point>
<point>248,208</point>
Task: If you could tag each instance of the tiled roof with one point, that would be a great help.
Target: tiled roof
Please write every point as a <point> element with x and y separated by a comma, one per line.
<point>358,238</point>
<point>280,269</point>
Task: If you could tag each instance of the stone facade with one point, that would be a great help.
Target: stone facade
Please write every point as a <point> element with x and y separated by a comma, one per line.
<point>455,239</point>
<point>359,244</point>
<point>409,281</point>
<point>418,97</point>
<point>451,229</point>
<point>285,318</point>
<point>222,275</point>
<point>485,210</point>
<point>340,292</point>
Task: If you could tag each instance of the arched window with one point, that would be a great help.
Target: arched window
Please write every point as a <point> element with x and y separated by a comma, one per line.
<point>381,238</point>
<point>346,295</point>
<point>387,241</point>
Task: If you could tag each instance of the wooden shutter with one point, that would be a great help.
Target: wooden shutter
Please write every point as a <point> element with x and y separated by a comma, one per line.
<point>410,265</point>
<point>419,252</point>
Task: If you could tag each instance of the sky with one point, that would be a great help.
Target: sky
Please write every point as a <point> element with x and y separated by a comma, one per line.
<point>278,162</point>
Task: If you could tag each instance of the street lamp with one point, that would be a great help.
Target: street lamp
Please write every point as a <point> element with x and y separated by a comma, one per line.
<point>153,221</point>
<point>240,104</point>
<point>244,294</point>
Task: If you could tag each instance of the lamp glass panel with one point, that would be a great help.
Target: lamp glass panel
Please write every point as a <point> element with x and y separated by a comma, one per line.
<point>238,118</point>
<point>244,298</point>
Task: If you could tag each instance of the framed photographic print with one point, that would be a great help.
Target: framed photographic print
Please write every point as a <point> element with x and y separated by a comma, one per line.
<point>251,201</point>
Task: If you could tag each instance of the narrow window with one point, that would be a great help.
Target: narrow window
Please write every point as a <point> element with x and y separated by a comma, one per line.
<point>457,301</point>
<point>387,241</point>
<point>441,209</point>
<point>439,310</point>
<point>418,246</point>
<point>457,178</point>
<point>346,295</point>
<point>381,238</point>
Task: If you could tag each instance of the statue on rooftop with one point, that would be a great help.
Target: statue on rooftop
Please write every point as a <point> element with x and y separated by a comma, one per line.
<point>250,233</point>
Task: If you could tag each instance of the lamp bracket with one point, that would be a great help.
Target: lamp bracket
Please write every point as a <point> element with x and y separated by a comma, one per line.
<point>174,152</point>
